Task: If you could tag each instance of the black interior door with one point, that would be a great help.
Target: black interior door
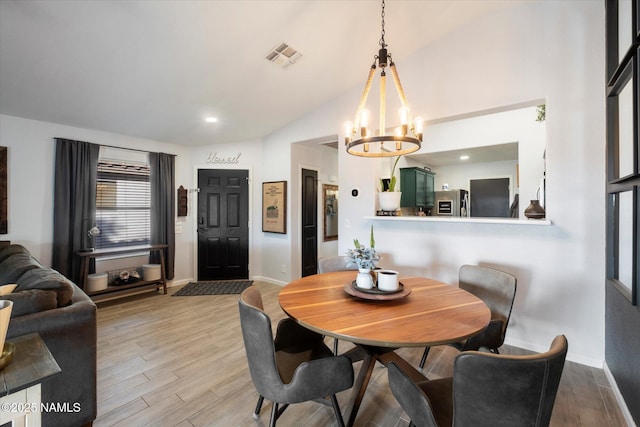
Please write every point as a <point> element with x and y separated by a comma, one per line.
<point>489,198</point>
<point>309,222</point>
<point>223,224</point>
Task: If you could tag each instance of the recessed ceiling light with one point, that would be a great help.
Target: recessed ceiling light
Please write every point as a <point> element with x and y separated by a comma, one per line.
<point>211,119</point>
<point>465,157</point>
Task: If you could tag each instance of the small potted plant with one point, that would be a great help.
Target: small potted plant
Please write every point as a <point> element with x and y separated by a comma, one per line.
<point>366,259</point>
<point>93,232</point>
<point>388,197</point>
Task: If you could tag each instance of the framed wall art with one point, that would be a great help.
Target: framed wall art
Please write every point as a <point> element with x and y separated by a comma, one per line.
<point>274,207</point>
<point>330,218</point>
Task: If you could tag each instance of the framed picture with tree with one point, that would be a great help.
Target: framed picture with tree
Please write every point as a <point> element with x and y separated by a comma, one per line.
<point>274,207</point>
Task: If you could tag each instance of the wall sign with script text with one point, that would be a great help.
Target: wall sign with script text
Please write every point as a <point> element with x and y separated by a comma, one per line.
<point>215,159</point>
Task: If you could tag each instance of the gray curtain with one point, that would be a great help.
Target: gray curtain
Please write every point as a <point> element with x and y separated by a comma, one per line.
<point>74,203</point>
<point>163,202</point>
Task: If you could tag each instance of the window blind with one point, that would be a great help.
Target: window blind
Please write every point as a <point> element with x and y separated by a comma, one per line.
<point>122,204</point>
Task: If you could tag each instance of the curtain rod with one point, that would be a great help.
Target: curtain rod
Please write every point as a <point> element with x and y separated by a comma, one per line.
<point>119,148</point>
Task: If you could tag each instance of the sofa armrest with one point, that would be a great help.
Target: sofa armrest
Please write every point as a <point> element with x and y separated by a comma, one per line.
<point>70,334</point>
<point>80,314</point>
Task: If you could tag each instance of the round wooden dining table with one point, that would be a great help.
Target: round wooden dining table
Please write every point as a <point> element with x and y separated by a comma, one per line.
<point>433,313</point>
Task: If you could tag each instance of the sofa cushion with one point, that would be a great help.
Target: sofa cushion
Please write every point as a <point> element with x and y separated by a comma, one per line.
<point>31,301</point>
<point>15,265</point>
<point>12,249</point>
<point>46,279</point>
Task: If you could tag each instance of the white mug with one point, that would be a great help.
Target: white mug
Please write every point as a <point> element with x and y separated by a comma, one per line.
<point>388,280</point>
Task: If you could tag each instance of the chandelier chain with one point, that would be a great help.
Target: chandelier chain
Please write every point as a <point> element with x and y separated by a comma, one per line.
<point>382,42</point>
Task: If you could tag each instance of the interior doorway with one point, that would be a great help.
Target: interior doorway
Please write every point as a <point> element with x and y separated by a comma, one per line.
<point>223,224</point>
<point>309,223</point>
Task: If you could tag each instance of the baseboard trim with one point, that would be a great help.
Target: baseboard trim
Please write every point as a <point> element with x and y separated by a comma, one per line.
<point>269,280</point>
<point>172,283</point>
<point>616,392</point>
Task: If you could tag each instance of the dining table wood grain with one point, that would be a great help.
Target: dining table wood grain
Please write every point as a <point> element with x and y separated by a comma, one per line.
<point>434,313</point>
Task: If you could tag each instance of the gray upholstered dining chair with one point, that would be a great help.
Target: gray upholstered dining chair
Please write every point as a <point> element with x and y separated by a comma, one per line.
<point>497,290</point>
<point>486,389</point>
<point>295,367</point>
<point>335,263</point>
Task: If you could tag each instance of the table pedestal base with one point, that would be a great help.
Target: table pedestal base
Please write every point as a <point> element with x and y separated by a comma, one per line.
<point>369,356</point>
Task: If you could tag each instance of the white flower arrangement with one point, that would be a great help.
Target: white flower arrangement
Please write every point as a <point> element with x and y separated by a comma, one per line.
<point>93,232</point>
<point>363,257</point>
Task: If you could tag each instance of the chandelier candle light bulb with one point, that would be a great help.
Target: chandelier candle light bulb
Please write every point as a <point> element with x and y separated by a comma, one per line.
<point>348,130</point>
<point>398,143</point>
<point>404,120</point>
<point>418,125</point>
<point>364,122</point>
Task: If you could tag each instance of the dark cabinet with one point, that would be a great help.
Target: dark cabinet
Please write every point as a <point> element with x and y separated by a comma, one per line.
<point>418,188</point>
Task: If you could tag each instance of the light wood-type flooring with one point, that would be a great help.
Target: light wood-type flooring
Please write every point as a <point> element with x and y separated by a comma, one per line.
<point>180,361</point>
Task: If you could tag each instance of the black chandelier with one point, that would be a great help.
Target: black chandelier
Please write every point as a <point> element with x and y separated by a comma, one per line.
<point>406,139</point>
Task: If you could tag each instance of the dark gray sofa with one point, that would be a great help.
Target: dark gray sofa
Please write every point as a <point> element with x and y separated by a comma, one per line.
<point>65,317</point>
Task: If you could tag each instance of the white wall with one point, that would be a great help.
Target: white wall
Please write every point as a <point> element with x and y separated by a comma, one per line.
<point>278,164</point>
<point>550,50</point>
<point>31,155</point>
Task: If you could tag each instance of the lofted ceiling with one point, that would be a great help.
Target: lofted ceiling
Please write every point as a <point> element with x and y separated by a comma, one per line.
<point>156,68</point>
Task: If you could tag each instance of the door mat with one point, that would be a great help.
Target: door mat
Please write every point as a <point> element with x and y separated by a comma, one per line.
<point>220,287</point>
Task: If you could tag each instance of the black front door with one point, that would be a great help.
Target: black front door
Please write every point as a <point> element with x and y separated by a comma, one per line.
<point>223,224</point>
<point>309,222</point>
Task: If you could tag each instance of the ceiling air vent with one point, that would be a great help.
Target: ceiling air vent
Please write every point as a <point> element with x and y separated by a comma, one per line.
<point>283,55</point>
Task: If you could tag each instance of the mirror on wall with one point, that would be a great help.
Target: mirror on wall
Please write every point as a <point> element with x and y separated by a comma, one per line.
<point>505,146</point>
<point>330,216</point>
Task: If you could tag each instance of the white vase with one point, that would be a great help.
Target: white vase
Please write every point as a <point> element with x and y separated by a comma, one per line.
<point>364,279</point>
<point>389,200</point>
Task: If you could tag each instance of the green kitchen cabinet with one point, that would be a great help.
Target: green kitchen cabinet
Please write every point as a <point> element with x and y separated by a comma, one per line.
<point>418,188</point>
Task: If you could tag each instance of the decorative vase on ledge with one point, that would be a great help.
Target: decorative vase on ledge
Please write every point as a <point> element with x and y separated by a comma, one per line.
<point>534,210</point>
<point>389,200</point>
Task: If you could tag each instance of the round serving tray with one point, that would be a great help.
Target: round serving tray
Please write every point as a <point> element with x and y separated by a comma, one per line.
<point>7,354</point>
<point>376,294</point>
